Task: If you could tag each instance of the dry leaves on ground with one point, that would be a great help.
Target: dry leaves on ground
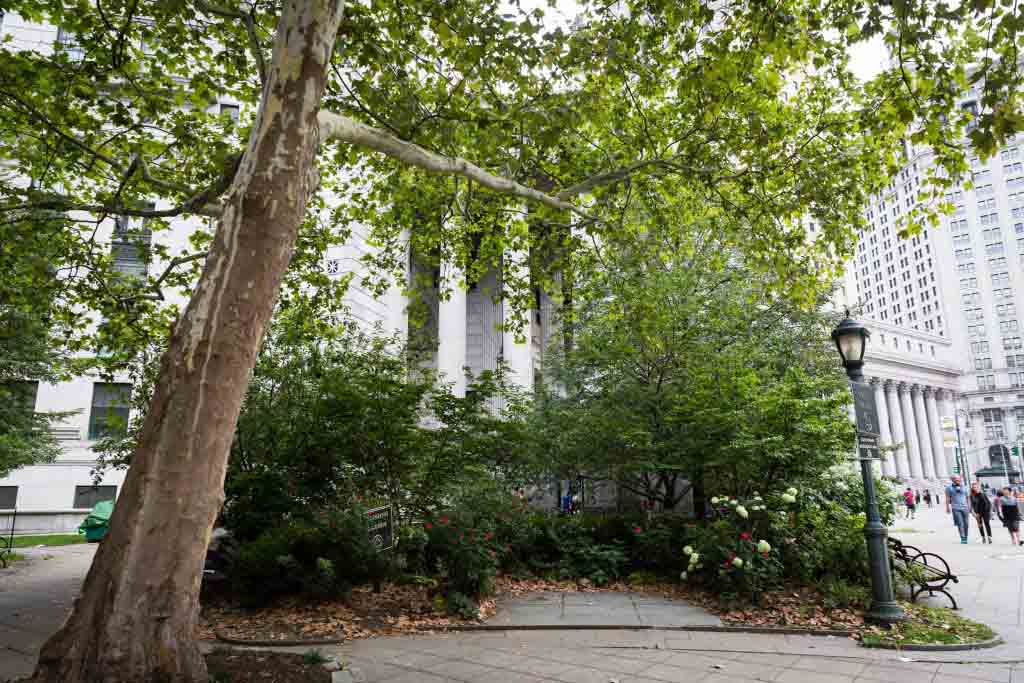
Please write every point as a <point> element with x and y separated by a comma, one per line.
<point>401,609</point>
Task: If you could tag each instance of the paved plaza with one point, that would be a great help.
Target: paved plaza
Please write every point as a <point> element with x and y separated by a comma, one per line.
<point>35,596</point>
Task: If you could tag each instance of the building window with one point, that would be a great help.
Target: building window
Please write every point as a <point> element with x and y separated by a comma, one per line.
<point>1000,279</point>
<point>229,110</point>
<point>130,245</point>
<point>1015,361</point>
<point>1004,310</point>
<point>979,347</point>
<point>1011,343</point>
<point>982,363</point>
<point>976,330</point>
<point>86,497</point>
<point>8,497</point>
<point>964,254</point>
<point>1016,379</point>
<point>986,382</point>
<point>110,408</point>
<point>1008,326</point>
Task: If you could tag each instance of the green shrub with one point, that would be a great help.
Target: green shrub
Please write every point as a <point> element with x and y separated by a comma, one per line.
<point>467,551</point>
<point>838,593</point>
<point>324,559</point>
<point>598,563</point>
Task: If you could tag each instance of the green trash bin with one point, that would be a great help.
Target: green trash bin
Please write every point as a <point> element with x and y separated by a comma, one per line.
<point>97,523</point>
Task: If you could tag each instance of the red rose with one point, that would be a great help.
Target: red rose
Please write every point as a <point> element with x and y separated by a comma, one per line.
<point>488,536</point>
<point>636,530</point>
<point>745,536</point>
<point>428,526</point>
<point>442,520</point>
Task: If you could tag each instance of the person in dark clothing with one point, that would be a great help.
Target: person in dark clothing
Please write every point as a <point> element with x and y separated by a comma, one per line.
<point>981,506</point>
<point>1008,510</point>
<point>917,498</point>
<point>928,497</point>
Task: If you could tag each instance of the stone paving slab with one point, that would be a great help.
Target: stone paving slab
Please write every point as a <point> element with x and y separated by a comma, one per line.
<point>644,657</point>
<point>620,609</point>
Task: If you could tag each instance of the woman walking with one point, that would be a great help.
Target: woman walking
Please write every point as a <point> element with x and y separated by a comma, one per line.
<point>981,506</point>
<point>908,500</point>
<point>1009,514</point>
<point>928,497</point>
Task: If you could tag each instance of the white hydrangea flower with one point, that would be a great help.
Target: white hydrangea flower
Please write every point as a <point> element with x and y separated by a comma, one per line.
<point>742,512</point>
<point>694,558</point>
<point>737,562</point>
<point>682,576</point>
<point>688,550</point>
<point>791,491</point>
<point>787,498</point>
<point>714,500</point>
<point>764,547</point>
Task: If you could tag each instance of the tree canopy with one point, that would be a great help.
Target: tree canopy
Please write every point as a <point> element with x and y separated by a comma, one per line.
<point>749,109</point>
<point>685,367</point>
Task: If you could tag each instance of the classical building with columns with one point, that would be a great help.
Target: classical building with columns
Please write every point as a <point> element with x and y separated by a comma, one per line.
<point>945,307</point>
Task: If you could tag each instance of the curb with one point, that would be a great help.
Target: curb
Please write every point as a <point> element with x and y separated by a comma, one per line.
<point>279,643</point>
<point>767,630</point>
<point>938,647</point>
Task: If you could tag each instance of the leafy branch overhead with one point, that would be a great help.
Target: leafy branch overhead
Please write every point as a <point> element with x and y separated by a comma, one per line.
<point>472,129</point>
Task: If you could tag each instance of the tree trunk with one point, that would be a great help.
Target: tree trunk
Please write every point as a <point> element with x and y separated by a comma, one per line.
<point>136,617</point>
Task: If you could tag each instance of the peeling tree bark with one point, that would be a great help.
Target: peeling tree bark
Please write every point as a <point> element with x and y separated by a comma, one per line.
<point>136,617</point>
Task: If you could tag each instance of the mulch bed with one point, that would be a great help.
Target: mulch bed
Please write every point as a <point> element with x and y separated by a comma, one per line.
<point>399,609</point>
<point>264,667</point>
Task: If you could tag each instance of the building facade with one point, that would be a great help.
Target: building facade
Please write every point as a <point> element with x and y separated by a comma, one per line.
<point>948,303</point>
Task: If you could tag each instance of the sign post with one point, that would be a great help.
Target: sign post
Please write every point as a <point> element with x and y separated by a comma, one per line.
<point>381,526</point>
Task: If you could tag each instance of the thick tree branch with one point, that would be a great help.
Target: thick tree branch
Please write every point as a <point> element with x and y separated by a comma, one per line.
<point>338,127</point>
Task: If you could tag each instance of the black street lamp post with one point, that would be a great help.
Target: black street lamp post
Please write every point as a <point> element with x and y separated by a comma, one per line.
<point>851,340</point>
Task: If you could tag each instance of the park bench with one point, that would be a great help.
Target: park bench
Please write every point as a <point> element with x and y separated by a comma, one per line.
<point>921,571</point>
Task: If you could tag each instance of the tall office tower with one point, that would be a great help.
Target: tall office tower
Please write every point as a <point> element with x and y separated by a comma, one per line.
<point>944,309</point>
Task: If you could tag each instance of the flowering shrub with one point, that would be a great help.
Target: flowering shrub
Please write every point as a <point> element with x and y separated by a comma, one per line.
<point>732,555</point>
<point>468,554</point>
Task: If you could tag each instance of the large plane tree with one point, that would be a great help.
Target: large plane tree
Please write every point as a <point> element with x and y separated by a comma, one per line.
<point>469,128</point>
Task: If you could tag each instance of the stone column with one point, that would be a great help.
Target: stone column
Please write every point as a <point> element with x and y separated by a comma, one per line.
<point>896,417</point>
<point>924,438</point>
<point>910,431</point>
<point>935,429</point>
<point>451,329</point>
<point>885,438</point>
<point>516,352</point>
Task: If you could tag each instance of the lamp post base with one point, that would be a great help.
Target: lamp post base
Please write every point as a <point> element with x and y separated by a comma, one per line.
<point>885,613</point>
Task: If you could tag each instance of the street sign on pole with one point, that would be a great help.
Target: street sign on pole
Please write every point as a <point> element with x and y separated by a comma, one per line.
<point>865,408</point>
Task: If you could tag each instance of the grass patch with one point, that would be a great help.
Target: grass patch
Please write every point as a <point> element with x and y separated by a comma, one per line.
<point>929,626</point>
<point>48,540</point>
<point>13,557</point>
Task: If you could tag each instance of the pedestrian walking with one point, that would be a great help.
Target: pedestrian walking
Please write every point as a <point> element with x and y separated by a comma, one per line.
<point>908,500</point>
<point>1008,510</point>
<point>957,504</point>
<point>928,497</point>
<point>917,498</point>
<point>981,506</point>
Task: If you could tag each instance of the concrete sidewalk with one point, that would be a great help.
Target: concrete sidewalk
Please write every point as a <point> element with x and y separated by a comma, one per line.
<point>599,609</point>
<point>36,595</point>
<point>991,577</point>
<point>652,657</point>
